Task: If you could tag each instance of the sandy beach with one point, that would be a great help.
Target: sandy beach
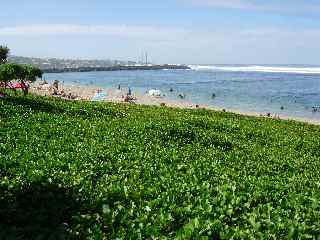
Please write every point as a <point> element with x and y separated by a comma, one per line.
<point>86,93</point>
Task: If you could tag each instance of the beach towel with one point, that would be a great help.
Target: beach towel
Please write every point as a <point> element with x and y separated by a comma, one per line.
<point>100,96</point>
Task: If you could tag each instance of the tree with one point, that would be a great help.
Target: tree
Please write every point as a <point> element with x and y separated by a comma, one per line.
<point>4,52</point>
<point>10,72</point>
<point>29,74</point>
<point>22,73</point>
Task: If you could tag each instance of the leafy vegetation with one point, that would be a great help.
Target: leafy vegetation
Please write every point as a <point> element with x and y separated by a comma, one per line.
<point>16,72</point>
<point>71,170</point>
<point>4,52</point>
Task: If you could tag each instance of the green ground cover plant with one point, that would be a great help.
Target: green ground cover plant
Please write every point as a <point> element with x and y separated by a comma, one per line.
<point>81,170</point>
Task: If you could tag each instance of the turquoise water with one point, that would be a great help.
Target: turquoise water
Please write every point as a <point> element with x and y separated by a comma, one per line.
<point>260,89</point>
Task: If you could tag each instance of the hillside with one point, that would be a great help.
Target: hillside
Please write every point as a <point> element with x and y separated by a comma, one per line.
<point>56,63</point>
<point>117,171</point>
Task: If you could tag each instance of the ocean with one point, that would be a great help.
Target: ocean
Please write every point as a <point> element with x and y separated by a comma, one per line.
<point>288,91</point>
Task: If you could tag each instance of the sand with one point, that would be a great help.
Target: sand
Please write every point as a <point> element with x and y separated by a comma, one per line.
<point>112,95</point>
<point>85,93</point>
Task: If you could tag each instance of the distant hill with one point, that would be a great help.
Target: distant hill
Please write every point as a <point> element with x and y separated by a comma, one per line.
<point>55,63</point>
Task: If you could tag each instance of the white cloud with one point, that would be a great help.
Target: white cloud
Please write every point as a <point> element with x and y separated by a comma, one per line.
<point>237,4</point>
<point>73,29</point>
<point>166,44</point>
<point>282,6</point>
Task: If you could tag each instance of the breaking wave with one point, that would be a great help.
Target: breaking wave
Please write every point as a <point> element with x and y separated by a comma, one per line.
<point>266,69</point>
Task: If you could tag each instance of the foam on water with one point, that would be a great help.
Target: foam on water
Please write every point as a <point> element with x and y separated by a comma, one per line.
<point>266,69</point>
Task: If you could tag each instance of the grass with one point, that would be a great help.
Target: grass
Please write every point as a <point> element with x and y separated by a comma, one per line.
<point>78,170</point>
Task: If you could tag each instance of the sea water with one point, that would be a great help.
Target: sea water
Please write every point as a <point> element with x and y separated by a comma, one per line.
<point>291,91</point>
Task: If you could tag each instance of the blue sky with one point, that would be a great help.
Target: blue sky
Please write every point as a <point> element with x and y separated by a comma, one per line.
<point>172,31</point>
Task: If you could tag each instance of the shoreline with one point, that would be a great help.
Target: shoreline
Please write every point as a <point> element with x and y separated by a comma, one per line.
<point>85,93</point>
<point>119,68</point>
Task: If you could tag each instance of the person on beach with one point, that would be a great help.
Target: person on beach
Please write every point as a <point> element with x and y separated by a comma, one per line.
<point>129,98</point>
<point>44,82</point>
<point>182,96</point>
<point>55,87</point>
<point>119,87</point>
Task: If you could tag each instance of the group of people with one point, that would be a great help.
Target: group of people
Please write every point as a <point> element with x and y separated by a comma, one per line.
<point>100,95</point>
<point>54,90</point>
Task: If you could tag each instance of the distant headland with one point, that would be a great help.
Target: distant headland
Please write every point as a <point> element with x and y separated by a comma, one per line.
<point>55,65</point>
<point>118,68</point>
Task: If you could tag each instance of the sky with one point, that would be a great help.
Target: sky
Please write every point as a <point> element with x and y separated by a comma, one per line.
<point>171,31</point>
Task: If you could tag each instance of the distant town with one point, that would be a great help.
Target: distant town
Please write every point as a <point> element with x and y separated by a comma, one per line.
<point>56,63</point>
<point>79,65</point>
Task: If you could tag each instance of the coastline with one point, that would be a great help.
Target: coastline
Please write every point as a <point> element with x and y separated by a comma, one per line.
<point>85,93</point>
<point>118,68</point>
